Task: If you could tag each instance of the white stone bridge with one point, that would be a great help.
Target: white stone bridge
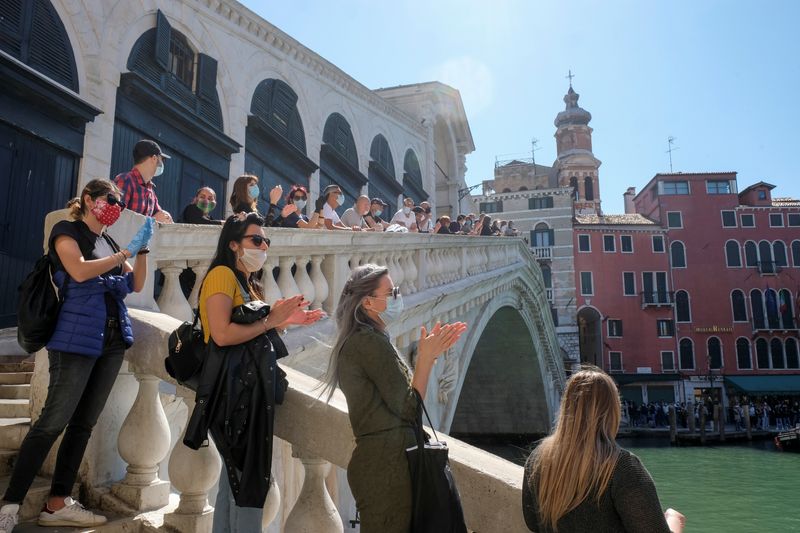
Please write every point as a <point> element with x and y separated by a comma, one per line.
<point>504,377</point>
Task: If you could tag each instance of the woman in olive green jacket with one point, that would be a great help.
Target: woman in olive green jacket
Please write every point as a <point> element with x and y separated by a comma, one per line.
<point>379,387</point>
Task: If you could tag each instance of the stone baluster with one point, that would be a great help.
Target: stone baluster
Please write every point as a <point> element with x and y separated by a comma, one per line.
<point>472,255</point>
<point>200,268</point>
<point>355,261</point>
<point>285,279</point>
<point>411,271</point>
<point>302,280</point>
<point>193,473</point>
<point>143,442</point>
<point>314,511</point>
<point>397,272</point>
<point>319,281</point>
<point>172,301</point>
<point>272,505</point>
<point>272,292</point>
<point>435,274</point>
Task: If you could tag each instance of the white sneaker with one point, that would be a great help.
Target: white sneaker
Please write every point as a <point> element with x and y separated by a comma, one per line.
<point>9,516</point>
<point>73,514</point>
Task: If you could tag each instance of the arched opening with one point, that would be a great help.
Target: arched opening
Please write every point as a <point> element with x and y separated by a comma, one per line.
<point>42,127</point>
<point>750,254</point>
<point>677,254</point>
<point>779,253</point>
<point>275,143</point>
<point>739,306</point>
<point>523,188</point>
<point>588,188</point>
<point>757,309</point>
<point>714,353</point>
<point>683,310</point>
<point>338,159</point>
<point>785,309</point>
<point>507,398</point>
<point>412,179</point>
<point>743,353</point>
<point>382,181</point>
<point>732,256</point>
<point>573,182</point>
<point>170,95</point>
<point>590,336</point>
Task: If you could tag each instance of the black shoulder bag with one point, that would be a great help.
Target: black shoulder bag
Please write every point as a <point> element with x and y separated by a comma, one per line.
<point>437,505</point>
<point>186,353</point>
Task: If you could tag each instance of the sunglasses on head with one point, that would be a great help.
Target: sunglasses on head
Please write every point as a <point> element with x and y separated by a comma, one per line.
<point>113,200</point>
<point>256,239</point>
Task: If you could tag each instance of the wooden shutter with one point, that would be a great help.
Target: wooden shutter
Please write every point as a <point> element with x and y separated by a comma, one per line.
<point>163,37</point>
<point>551,237</point>
<point>206,77</point>
<point>11,22</point>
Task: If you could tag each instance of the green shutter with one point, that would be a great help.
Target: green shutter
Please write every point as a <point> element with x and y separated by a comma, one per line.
<point>163,37</point>
<point>206,77</point>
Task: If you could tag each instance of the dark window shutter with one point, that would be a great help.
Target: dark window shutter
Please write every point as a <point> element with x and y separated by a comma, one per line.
<point>11,22</point>
<point>552,237</point>
<point>206,77</point>
<point>283,102</point>
<point>163,35</point>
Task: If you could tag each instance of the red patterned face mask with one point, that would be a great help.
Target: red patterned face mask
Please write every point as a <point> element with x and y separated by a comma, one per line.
<point>106,213</point>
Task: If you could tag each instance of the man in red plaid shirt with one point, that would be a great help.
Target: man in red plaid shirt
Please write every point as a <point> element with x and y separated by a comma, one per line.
<point>138,190</point>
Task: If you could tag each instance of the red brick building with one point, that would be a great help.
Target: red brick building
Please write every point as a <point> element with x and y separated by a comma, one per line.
<point>696,285</point>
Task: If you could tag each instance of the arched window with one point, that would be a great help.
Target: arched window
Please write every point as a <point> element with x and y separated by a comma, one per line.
<point>785,309</point>
<point>796,253</point>
<point>762,353</point>
<point>750,254</point>
<point>686,349</point>
<point>412,177</point>
<point>714,353</point>
<point>779,253</point>
<point>573,182</point>
<point>677,254</point>
<point>523,188</point>
<point>757,309</point>
<point>588,188</point>
<point>542,236</point>
<point>765,261</point>
<point>181,59</point>
<point>743,353</point>
<point>381,172</point>
<point>776,353</point>
<point>275,103</point>
<point>773,313</point>
<point>683,311</point>
<point>739,306</point>
<point>506,190</point>
<point>792,357</point>
<point>733,257</point>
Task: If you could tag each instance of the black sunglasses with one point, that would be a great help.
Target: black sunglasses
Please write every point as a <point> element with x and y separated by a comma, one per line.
<point>113,200</point>
<point>257,240</point>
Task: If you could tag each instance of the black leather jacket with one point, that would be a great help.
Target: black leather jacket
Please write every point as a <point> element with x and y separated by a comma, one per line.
<point>235,402</point>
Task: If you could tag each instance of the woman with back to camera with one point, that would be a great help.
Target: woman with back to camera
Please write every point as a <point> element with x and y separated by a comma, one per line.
<point>380,392</point>
<point>579,479</point>
<point>239,410</point>
<point>85,351</point>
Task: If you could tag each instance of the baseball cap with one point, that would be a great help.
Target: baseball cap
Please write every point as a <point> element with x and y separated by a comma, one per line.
<point>378,201</point>
<point>147,148</point>
<point>418,209</point>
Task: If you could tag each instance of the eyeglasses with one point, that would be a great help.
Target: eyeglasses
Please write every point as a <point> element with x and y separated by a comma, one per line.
<point>394,294</point>
<point>257,240</point>
<point>113,200</point>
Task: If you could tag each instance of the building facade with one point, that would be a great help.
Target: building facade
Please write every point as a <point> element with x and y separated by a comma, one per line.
<point>223,92</point>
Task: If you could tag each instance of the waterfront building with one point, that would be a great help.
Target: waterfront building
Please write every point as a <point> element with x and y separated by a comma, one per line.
<point>694,290</point>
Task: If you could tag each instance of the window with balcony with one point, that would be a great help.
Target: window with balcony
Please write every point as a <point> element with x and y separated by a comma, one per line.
<point>793,219</point>
<point>686,354</point>
<point>615,361</point>
<point>714,353</point>
<point>674,220</point>
<point>626,244</point>
<point>658,244</point>
<point>766,262</point>
<point>733,256</point>
<point>609,243</point>
<point>541,202</point>
<point>614,327</point>
<point>728,219</point>
<point>628,284</point>
<point>750,254</point>
<point>674,187</point>
<point>683,311</point>
<point>654,289</point>
<point>748,221</point>
<point>586,284</point>
<point>776,220</point>
<point>779,254</point>
<point>743,360</point>
<point>677,254</point>
<point>757,309</point>
<point>665,327</point>
<point>718,187</point>
<point>584,243</point>
<point>668,361</point>
<point>738,305</point>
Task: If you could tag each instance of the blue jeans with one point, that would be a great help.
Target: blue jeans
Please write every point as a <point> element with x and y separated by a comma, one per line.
<point>78,390</point>
<point>228,517</point>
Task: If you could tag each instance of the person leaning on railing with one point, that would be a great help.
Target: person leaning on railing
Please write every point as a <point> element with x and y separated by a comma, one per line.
<point>296,201</point>
<point>579,479</point>
<point>379,388</point>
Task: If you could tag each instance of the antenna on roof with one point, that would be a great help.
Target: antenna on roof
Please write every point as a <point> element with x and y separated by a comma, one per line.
<point>670,142</point>
<point>534,142</point>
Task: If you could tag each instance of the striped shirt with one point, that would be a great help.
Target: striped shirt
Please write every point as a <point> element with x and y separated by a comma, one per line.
<point>139,196</point>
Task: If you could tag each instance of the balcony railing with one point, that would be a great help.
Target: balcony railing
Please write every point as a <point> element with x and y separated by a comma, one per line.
<point>768,267</point>
<point>657,299</point>
<point>543,252</point>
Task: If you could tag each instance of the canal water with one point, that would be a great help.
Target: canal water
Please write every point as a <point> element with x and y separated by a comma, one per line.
<point>721,489</point>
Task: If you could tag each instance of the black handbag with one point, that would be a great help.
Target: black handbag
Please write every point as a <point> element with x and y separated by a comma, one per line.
<point>436,503</point>
<point>187,348</point>
<point>38,306</point>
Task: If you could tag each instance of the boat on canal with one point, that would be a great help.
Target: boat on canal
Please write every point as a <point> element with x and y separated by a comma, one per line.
<point>788,440</point>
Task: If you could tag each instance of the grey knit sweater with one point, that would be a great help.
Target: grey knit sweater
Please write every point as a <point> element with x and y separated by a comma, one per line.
<point>629,505</point>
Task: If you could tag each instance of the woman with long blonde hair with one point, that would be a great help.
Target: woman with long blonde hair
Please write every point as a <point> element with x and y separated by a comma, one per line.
<point>579,479</point>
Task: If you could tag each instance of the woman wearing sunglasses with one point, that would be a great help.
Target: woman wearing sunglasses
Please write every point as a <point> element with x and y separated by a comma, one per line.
<point>298,199</point>
<point>85,351</point>
<point>247,378</point>
<point>379,387</point>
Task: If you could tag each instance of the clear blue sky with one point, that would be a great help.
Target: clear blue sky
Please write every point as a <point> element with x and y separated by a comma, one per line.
<point>720,76</point>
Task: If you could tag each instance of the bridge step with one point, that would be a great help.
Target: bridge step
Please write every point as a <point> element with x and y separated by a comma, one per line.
<point>35,499</point>
<point>13,431</point>
<point>7,458</point>
<point>15,408</point>
<point>15,378</point>
<point>15,391</point>
<point>15,366</point>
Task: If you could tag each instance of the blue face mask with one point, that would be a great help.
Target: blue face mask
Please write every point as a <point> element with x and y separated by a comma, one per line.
<point>252,190</point>
<point>394,308</point>
<point>300,204</point>
<point>340,199</point>
<point>378,213</point>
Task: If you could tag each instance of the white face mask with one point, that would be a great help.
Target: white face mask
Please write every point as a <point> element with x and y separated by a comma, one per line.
<point>159,169</point>
<point>300,204</point>
<point>406,210</point>
<point>340,199</point>
<point>253,258</point>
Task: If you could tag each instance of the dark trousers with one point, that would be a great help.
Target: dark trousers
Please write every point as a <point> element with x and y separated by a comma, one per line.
<point>78,390</point>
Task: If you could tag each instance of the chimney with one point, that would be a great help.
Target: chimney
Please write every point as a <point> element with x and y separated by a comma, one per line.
<point>628,197</point>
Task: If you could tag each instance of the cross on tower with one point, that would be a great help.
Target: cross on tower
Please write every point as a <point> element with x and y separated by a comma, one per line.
<point>570,76</point>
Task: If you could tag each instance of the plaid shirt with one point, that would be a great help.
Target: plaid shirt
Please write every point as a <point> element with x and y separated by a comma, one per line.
<point>138,196</point>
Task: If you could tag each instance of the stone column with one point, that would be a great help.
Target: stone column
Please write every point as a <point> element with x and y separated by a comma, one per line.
<point>143,443</point>
<point>200,268</point>
<point>286,282</point>
<point>314,511</point>
<point>271,291</point>
<point>302,280</point>
<point>172,301</point>
<point>319,281</point>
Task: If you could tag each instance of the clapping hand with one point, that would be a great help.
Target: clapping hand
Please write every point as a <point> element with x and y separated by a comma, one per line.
<point>275,194</point>
<point>440,339</point>
<point>141,238</point>
<point>320,203</point>
<point>303,317</point>
<point>288,209</point>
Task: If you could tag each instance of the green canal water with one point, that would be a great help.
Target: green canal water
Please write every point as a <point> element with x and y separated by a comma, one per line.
<point>721,489</point>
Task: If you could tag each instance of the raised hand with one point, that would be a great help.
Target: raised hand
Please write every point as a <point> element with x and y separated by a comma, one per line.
<point>440,339</point>
<point>320,203</point>
<point>288,209</point>
<point>281,310</point>
<point>142,237</point>
<point>275,194</point>
<point>302,317</point>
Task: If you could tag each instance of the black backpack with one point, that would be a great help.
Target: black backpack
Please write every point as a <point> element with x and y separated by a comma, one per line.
<point>39,303</point>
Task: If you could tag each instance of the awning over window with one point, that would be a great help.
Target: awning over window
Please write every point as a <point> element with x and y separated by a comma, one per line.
<point>760,385</point>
